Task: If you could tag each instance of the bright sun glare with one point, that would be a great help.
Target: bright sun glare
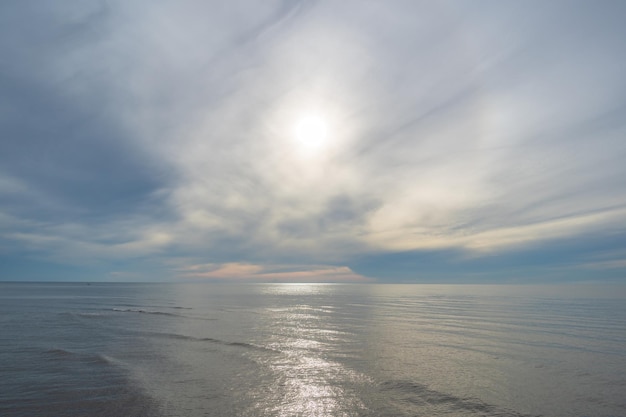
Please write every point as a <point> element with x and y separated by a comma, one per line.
<point>311,131</point>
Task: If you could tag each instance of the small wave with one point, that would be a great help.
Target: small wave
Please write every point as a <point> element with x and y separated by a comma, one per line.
<point>98,359</point>
<point>89,315</point>
<point>215,341</point>
<point>59,353</point>
<point>162,313</point>
<point>142,311</point>
<point>420,395</point>
<point>252,346</point>
<point>143,306</point>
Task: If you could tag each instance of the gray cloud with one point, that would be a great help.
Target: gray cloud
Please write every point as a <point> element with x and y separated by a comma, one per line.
<point>166,131</point>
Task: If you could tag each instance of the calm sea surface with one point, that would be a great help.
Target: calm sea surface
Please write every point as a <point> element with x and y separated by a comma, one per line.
<point>311,350</point>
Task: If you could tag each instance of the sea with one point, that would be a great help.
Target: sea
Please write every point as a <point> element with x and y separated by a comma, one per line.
<point>196,349</point>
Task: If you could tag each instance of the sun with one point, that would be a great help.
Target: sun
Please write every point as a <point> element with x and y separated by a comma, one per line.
<point>311,131</point>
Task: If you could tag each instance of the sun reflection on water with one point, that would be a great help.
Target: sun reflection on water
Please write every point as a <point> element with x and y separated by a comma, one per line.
<point>305,380</point>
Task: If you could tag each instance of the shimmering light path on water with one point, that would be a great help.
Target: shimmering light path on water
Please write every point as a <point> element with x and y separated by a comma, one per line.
<point>311,350</point>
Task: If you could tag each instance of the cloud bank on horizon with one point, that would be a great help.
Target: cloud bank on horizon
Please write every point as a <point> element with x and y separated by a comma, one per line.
<point>313,140</point>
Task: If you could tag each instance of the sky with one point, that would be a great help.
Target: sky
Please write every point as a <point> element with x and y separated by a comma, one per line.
<point>325,141</point>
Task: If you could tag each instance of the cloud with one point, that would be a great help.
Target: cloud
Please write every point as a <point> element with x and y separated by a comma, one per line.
<point>272,273</point>
<point>615,264</point>
<point>161,132</point>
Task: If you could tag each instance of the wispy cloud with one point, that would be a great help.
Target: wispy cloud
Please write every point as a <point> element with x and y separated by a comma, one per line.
<point>272,273</point>
<point>166,131</point>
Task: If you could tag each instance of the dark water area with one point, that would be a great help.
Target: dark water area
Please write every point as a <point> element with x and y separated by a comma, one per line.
<point>311,350</point>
